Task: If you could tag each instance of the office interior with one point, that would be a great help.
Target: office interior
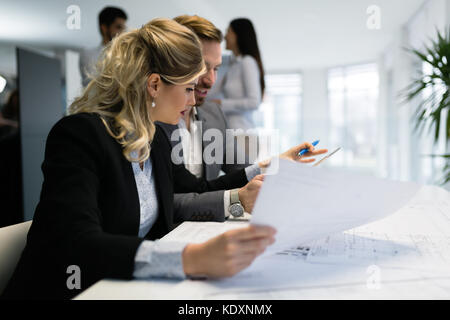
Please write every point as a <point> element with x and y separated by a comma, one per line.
<point>335,71</point>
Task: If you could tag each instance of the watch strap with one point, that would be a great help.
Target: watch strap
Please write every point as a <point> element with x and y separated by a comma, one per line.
<point>234,196</point>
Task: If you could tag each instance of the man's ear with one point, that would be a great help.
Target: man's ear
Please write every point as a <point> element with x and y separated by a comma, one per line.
<point>104,29</point>
<point>154,84</point>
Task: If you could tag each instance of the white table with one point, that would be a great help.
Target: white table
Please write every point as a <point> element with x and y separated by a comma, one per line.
<point>404,256</point>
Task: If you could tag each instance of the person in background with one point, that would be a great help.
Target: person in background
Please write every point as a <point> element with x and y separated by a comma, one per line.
<point>108,184</point>
<point>112,21</point>
<point>243,84</point>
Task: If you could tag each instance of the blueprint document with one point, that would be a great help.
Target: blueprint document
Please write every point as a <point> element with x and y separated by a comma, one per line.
<point>308,203</point>
<point>408,252</point>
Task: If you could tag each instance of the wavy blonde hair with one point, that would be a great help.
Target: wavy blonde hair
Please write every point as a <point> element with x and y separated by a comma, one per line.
<point>118,90</point>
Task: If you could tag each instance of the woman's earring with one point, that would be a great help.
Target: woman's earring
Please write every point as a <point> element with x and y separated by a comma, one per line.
<point>153,104</point>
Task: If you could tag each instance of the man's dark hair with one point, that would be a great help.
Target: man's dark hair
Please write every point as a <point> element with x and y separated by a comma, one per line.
<point>109,14</point>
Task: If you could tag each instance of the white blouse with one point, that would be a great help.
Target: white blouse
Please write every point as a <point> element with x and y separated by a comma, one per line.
<point>241,92</point>
<point>153,258</point>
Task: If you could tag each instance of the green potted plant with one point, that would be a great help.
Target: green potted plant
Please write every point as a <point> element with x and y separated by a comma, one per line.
<point>437,84</point>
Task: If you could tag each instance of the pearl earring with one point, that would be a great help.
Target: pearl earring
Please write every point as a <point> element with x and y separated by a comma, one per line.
<point>153,104</point>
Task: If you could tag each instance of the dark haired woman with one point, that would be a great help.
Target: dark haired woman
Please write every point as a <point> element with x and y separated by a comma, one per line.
<point>243,85</point>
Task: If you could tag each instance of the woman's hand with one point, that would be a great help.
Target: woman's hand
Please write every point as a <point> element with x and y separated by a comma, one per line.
<point>228,253</point>
<point>292,153</point>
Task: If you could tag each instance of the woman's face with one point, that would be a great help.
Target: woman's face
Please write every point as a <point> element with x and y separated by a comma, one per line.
<point>231,39</point>
<point>172,101</point>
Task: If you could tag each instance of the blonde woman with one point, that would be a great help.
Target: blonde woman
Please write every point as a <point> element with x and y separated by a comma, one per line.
<point>107,191</point>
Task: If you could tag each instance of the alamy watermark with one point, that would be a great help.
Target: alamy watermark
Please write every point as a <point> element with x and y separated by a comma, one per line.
<point>374,19</point>
<point>74,280</point>
<point>73,21</point>
<point>374,280</point>
<point>238,146</point>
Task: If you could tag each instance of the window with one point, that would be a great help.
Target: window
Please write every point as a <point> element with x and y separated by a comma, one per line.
<point>281,108</point>
<point>353,99</point>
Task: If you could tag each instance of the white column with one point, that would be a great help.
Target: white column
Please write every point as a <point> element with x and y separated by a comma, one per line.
<point>382,118</point>
<point>73,76</point>
<point>403,111</point>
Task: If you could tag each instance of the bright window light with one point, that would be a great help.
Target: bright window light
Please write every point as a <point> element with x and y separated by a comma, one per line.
<point>353,98</point>
<point>281,108</point>
<point>2,84</point>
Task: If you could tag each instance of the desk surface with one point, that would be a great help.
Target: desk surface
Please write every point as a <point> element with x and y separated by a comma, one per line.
<point>403,256</point>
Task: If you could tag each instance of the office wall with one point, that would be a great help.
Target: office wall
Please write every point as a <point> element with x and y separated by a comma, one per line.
<point>8,63</point>
<point>72,76</point>
<point>40,108</point>
<point>448,11</point>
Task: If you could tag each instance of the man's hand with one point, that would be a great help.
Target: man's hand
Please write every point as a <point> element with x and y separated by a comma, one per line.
<point>249,192</point>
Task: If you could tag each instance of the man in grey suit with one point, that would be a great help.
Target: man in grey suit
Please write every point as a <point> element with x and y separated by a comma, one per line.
<point>198,122</point>
<point>210,205</point>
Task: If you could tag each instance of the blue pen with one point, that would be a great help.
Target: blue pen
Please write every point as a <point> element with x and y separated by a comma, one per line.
<point>303,151</point>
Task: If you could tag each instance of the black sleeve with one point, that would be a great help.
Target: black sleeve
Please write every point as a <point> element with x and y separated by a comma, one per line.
<point>184,181</point>
<point>68,219</point>
<point>207,206</point>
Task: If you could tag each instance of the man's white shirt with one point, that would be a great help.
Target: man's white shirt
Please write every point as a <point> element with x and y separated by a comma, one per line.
<point>192,143</point>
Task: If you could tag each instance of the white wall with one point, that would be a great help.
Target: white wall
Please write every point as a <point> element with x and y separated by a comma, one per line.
<point>448,11</point>
<point>73,76</point>
<point>8,63</point>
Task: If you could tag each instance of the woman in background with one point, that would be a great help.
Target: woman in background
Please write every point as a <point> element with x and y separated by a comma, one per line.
<point>243,84</point>
<point>108,184</point>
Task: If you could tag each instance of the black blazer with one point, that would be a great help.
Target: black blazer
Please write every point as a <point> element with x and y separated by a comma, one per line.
<point>89,210</point>
<point>10,180</point>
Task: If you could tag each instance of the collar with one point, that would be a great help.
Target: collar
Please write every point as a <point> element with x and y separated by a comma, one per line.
<point>234,58</point>
<point>194,115</point>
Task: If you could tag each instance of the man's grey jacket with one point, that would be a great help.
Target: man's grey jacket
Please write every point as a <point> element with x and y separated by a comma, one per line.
<point>208,206</point>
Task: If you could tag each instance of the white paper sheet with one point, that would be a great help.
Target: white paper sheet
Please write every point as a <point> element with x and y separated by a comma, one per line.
<point>198,232</point>
<point>410,249</point>
<point>307,203</point>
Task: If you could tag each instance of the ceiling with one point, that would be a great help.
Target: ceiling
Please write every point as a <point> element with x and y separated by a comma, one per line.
<point>293,34</point>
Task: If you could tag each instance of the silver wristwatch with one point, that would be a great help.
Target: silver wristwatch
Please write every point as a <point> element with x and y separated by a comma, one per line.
<point>236,209</point>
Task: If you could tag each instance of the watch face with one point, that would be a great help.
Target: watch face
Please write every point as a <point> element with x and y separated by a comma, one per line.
<point>236,210</point>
